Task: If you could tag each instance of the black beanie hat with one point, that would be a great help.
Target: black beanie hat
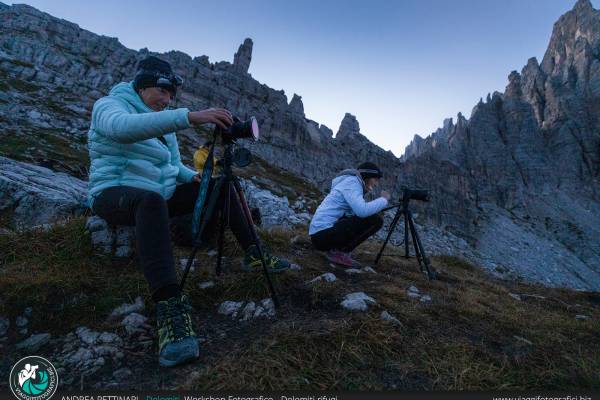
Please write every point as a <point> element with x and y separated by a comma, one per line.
<point>369,170</point>
<point>154,72</point>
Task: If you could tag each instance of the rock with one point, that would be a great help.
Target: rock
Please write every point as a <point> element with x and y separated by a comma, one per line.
<point>134,323</point>
<point>385,316</point>
<point>212,253</point>
<point>515,296</point>
<point>230,308</point>
<point>327,277</point>
<point>86,335</point>
<point>34,342</point>
<point>268,306</point>
<point>275,210</point>
<point>27,312</point>
<point>242,58</point>
<point>21,322</point>
<point>351,271</point>
<point>81,356</point>
<point>582,317</point>
<point>206,285</point>
<point>295,267</point>
<point>413,293</point>
<point>122,374</point>
<point>128,308</point>
<point>117,241</point>
<point>425,299</point>
<point>248,311</point>
<point>358,301</point>
<point>183,264</point>
<point>109,338</point>
<point>522,339</point>
<point>34,195</point>
<point>413,289</point>
<point>4,325</point>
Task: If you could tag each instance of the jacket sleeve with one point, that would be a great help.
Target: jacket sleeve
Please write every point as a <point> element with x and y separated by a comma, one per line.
<point>353,194</point>
<point>111,118</point>
<point>185,174</point>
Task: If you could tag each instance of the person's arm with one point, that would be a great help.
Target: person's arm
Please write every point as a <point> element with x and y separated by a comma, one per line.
<point>185,174</point>
<point>111,118</point>
<point>353,194</point>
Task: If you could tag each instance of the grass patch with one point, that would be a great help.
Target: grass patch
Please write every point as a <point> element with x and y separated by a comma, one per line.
<point>57,273</point>
<point>472,336</point>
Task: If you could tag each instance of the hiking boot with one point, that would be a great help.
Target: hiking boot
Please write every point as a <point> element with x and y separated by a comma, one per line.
<point>252,261</point>
<point>177,341</point>
<point>341,258</point>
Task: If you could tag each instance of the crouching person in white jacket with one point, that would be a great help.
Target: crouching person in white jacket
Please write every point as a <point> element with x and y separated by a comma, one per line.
<point>344,219</point>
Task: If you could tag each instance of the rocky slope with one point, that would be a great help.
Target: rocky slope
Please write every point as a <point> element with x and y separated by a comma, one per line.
<point>517,183</point>
<point>520,177</point>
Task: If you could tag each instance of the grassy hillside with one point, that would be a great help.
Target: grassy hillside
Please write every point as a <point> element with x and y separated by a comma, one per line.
<point>472,335</point>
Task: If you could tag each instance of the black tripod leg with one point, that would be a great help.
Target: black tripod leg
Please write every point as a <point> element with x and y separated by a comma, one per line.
<point>406,226</point>
<point>255,238</point>
<point>206,216</point>
<point>413,234</point>
<point>430,271</point>
<point>389,235</point>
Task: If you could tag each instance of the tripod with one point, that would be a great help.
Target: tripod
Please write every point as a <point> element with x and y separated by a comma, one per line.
<point>409,224</point>
<point>226,182</point>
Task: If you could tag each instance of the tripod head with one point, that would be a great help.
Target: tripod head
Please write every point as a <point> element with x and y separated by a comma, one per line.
<point>407,196</point>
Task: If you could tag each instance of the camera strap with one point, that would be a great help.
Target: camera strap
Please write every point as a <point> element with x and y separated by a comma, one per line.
<point>204,181</point>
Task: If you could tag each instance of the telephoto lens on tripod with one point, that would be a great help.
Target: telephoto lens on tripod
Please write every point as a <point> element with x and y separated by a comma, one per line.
<point>247,129</point>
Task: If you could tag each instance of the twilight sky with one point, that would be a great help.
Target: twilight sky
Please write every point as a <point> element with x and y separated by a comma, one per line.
<point>400,66</point>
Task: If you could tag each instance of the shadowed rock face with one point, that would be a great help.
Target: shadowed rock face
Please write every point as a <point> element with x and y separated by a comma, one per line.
<point>518,180</point>
<point>529,157</point>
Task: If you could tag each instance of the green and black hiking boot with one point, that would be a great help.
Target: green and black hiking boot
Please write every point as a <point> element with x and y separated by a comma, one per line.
<point>177,341</point>
<point>252,261</point>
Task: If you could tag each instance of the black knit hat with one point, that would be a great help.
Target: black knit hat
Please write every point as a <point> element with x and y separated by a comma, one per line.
<point>154,72</point>
<point>369,170</point>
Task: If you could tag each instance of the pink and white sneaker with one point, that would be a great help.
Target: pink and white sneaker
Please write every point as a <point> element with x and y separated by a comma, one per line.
<point>341,258</point>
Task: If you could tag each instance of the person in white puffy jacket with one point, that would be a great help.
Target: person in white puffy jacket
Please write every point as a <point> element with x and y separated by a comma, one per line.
<point>344,219</point>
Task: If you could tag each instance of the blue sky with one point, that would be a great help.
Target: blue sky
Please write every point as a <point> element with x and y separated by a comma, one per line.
<point>400,66</point>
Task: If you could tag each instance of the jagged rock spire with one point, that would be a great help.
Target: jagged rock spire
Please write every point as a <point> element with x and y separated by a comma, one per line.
<point>348,128</point>
<point>242,58</point>
<point>296,105</point>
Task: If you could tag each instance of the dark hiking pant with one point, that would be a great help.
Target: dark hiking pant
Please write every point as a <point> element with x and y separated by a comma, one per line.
<point>149,212</point>
<point>347,233</point>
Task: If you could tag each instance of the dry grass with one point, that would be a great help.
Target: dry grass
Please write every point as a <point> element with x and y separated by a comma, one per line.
<point>473,335</point>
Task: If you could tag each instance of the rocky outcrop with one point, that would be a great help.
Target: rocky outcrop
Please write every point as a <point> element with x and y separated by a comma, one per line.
<point>519,179</point>
<point>32,196</point>
<point>48,58</point>
<point>242,58</point>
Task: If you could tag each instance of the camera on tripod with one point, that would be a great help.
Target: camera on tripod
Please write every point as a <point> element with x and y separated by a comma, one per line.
<point>414,194</point>
<point>409,227</point>
<point>247,129</point>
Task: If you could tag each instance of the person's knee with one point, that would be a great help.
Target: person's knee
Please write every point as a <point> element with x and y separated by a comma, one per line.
<point>152,201</point>
<point>376,221</point>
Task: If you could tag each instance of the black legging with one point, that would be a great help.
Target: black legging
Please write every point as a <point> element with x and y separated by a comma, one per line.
<point>347,233</point>
<point>150,213</point>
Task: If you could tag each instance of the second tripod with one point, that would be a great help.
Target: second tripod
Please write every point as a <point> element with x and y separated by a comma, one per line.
<point>409,225</point>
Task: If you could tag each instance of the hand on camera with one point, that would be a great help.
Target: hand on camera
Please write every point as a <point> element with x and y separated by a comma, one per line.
<point>218,116</point>
<point>385,195</point>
